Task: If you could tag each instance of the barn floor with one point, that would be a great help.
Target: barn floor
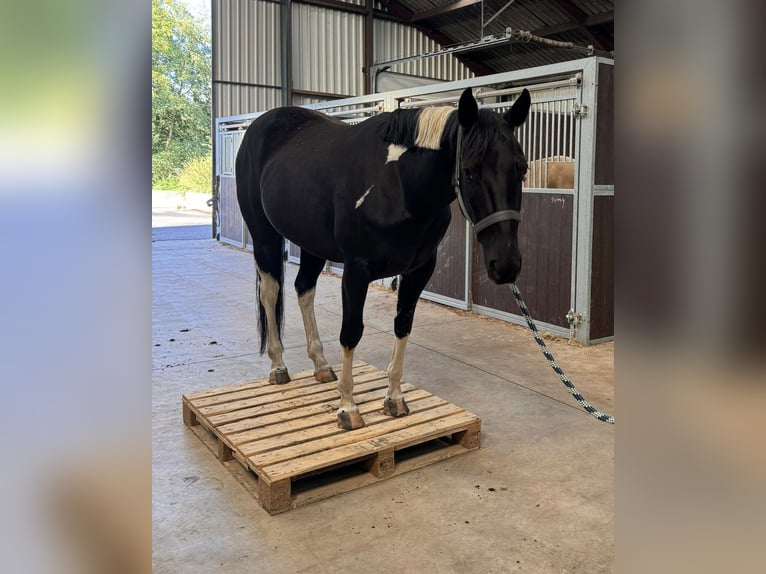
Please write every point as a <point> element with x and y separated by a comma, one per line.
<point>537,497</point>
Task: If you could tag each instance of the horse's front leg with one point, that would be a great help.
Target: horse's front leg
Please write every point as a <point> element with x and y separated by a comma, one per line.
<point>411,287</point>
<point>356,280</point>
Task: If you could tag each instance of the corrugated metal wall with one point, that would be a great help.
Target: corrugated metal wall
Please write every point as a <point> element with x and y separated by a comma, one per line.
<point>328,54</point>
<point>393,41</point>
<point>328,50</point>
<point>246,70</point>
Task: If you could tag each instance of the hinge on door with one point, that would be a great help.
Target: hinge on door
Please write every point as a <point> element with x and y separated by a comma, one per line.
<point>580,110</point>
<point>574,319</point>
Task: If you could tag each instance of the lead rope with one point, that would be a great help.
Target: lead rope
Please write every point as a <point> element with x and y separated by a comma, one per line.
<point>552,362</point>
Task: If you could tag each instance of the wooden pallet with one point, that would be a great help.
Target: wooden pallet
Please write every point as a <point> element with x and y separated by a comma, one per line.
<point>283,442</point>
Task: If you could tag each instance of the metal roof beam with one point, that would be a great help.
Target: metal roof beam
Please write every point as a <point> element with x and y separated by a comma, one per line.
<point>594,20</point>
<point>405,14</point>
<point>580,17</point>
<point>440,10</point>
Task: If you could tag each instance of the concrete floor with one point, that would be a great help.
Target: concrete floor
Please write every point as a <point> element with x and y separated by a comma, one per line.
<point>537,497</point>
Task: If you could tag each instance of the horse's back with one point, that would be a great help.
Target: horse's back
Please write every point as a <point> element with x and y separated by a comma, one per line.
<point>283,176</point>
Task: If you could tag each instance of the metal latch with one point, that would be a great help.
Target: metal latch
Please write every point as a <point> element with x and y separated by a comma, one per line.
<point>573,318</point>
<point>580,110</point>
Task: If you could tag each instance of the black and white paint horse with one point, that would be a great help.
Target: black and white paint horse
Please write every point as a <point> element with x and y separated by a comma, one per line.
<point>375,196</point>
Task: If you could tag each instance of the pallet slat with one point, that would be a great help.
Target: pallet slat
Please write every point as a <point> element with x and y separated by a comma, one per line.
<point>288,436</point>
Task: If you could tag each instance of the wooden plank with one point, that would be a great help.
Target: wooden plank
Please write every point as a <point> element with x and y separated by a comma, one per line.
<point>357,368</point>
<point>232,429</point>
<point>330,427</point>
<point>255,392</point>
<point>194,397</point>
<point>303,458</point>
<point>401,438</point>
<point>326,417</point>
<point>280,393</point>
<point>297,402</point>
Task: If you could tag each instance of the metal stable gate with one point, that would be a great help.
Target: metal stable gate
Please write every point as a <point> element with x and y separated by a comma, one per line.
<point>567,206</point>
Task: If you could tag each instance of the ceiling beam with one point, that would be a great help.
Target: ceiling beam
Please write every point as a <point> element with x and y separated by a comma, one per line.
<point>440,10</point>
<point>405,14</point>
<point>580,17</point>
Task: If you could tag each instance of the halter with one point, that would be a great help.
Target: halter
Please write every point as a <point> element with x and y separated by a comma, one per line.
<point>498,216</point>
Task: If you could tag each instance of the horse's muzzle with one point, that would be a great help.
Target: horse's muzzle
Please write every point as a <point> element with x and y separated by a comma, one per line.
<point>504,271</point>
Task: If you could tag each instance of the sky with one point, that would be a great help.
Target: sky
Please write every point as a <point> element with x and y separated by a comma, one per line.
<point>199,8</point>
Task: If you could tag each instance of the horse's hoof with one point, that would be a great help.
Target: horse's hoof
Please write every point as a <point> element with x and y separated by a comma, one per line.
<point>279,376</point>
<point>395,408</point>
<point>350,420</point>
<point>325,375</point>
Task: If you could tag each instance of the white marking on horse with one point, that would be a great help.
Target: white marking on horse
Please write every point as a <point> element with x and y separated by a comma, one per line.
<point>360,201</point>
<point>431,122</point>
<point>395,152</point>
<point>395,369</point>
<point>269,294</point>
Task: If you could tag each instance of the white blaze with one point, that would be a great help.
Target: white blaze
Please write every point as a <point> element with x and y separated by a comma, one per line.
<point>394,152</point>
<point>360,201</point>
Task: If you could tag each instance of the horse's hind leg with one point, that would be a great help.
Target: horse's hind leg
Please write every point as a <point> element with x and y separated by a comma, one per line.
<point>410,288</point>
<point>267,250</point>
<point>270,300</point>
<point>305,287</point>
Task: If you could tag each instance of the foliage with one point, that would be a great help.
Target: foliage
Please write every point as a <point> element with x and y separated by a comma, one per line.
<point>197,175</point>
<point>181,73</point>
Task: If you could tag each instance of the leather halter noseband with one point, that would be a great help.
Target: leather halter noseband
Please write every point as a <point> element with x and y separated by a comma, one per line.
<point>493,218</point>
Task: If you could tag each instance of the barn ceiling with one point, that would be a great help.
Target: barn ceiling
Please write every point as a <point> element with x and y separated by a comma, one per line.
<point>453,22</point>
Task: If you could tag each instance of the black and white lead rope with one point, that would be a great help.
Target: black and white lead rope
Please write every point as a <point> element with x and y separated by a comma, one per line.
<point>544,348</point>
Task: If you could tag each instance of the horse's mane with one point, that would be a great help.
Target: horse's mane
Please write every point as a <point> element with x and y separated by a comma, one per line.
<point>436,128</point>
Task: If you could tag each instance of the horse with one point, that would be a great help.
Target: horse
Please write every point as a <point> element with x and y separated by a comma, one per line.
<point>556,172</point>
<point>376,197</point>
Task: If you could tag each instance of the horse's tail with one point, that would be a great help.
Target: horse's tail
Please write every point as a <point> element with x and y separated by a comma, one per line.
<point>278,273</point>
<point>268,244</point>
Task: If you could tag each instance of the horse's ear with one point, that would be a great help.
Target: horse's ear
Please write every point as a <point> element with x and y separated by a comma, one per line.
<point>517,115</point>
<point>468,109</point>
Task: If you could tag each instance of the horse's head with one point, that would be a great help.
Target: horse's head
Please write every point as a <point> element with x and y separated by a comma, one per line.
<point>490,169</point>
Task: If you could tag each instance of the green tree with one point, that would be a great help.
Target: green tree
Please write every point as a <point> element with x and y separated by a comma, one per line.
<point>181,73</point>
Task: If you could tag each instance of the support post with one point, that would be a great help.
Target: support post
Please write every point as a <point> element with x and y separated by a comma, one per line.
<point>369,45</point>
<point>382,465</point>
<point>286,50</point>
<point>276,497</point>
<point>190,419</point>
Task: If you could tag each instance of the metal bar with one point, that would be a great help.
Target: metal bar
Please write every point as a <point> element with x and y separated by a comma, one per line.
<point>573,81</point>
<point>316,94</point>
<point>492,94</point>
<point>245,84</point>
<point>354,112</point>
<point>539,144</point>
<point>573,127</point>
<point>527,36</point>
<point>496,14</point>
<point>520,320</point>
<point>334,5</point>
<point>482,43</point>
<point>446,9</point>
<point>547,140</point>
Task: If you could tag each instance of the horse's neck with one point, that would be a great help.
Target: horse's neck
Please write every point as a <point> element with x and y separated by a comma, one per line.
<point>429,187</point>
<point>427,181</point>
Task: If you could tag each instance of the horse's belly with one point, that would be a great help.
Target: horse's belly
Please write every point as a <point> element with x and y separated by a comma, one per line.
<point>303,217</point>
